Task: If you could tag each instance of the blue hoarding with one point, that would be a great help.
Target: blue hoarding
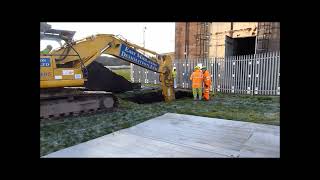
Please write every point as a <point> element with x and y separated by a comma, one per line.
<point>137,58</point>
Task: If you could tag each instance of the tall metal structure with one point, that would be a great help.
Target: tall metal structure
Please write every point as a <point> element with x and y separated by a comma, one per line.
<point>263,37</point>
<point>186,39</point>
<point>144,37</point>
<point>203,39</point>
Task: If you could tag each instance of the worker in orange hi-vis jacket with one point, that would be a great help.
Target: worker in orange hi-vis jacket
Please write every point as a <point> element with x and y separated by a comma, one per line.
<point>206,83</point>
<point>196,78</point>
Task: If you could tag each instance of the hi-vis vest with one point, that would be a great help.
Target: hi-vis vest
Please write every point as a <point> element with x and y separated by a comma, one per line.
<point>45,51</point>
<point>196,78</point>
<point>174,74</point>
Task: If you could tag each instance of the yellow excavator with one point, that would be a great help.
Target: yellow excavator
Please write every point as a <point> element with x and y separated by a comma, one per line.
<point>64,71</point>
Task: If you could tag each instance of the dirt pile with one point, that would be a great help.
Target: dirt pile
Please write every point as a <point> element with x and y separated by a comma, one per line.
<point>103,79</point>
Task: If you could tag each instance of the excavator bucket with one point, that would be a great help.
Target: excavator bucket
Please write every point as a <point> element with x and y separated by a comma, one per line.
<point>47,33</point>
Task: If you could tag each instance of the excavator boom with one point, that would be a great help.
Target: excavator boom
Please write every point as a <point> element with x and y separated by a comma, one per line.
<point>93,46</point>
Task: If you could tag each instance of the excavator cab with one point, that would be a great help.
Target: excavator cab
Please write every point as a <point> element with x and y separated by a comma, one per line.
<point>50,75</point>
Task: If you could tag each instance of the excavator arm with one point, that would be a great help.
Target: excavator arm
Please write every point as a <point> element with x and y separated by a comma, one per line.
<point>79,54</point>
<point>88,49</point>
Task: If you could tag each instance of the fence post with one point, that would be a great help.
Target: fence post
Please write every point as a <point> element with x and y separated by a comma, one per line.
<point>268,68</point>
<point>233,74</point>
<point>261,74</point>
<point>240,75</point>
<point>214,75</point>
<point>226,74</point>
<point>278,73</point>
<point>236,74</point>
<point>272,92</point>
<point>247,74</point>
<point>260,77</point>
<point>211,72</point>
<point>253,75</point>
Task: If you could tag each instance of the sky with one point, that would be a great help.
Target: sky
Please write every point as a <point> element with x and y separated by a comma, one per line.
<point>159,37</point>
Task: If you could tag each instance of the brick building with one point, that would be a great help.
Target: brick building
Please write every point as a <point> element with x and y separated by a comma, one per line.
<point>219,39</point>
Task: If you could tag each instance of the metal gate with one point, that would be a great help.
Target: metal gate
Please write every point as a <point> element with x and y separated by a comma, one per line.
<point>256,74</point>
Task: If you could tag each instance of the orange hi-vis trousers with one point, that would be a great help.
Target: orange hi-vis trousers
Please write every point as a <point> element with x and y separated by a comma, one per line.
<point>207,84</point>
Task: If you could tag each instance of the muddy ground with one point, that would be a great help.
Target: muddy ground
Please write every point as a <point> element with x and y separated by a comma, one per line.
<point>151,96</point>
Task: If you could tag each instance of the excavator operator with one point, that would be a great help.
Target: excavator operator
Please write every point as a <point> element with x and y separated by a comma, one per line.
<point>46,50</point>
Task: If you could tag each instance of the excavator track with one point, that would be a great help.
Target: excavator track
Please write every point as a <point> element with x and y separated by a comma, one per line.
<point>70,103</point>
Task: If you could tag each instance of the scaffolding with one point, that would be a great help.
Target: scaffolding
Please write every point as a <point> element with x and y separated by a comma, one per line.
<point>203,37</point>
<point>186,39</point>
<point>263,37</point>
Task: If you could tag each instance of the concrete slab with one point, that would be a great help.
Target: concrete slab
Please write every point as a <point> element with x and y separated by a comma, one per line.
<point>178,135</point>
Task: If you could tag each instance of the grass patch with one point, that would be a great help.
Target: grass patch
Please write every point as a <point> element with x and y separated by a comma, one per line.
<point>151,85</point>
<point>124,73</point>
<point>56,135</point>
